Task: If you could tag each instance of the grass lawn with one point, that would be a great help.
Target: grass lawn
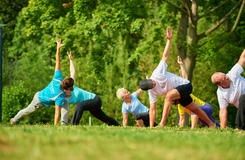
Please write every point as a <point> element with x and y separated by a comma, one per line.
<point>46,142</point>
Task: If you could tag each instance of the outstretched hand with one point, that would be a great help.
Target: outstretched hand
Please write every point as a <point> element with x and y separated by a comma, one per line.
<point>180,62</point>
<point>69,55</point>
<point>59,44</point>
<point>169,33</point>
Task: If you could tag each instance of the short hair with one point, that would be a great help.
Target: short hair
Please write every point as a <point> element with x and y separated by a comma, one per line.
<point>213,78</point>
<point>120,93</point>
<point>67,84</point>
<point>146,84</point>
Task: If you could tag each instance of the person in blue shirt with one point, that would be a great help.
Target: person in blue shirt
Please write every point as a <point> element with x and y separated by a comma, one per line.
<point>133,105</point>
<point>54,93</point>
<point>84,100</point>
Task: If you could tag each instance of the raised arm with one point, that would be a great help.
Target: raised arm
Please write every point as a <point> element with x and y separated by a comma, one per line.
<point>242,59</point>
<point>59,45</point>
<point>139,91</point>
<point>168,45</point>
<point>182,69</point>
<point>72,68</point>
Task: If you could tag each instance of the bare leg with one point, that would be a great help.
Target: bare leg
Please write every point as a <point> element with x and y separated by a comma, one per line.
<point>202,115</point>
<point>194,120</point>
<point>140,122</point>
<point>182,120</point>
<point>169,99</point>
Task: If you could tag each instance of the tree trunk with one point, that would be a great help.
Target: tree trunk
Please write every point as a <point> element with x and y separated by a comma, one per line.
<point>190,59</point>
<point>189,63</point>
<point>181,43</point>
<point>181,36</point>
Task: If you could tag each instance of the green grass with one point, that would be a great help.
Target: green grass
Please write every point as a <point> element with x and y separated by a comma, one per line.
<point>46,142</point>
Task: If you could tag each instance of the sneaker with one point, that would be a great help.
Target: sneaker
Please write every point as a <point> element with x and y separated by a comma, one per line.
<point>12,121</point>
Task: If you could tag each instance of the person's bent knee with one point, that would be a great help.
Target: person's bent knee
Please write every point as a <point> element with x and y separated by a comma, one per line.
<point>172,95</point>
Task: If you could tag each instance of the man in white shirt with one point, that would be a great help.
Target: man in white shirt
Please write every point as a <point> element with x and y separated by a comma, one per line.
<point>176,89</point>
<point>231,90</point>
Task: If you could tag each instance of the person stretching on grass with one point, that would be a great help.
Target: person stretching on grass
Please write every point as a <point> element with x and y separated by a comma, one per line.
<point>231,90</point>
<point>54,93</point>
<point>202,105</point>
<point>133,105</point>
<point>84,100</point>
<point>174,87</point>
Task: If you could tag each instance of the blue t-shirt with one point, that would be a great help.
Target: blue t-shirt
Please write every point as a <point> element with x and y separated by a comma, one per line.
<point>52,93</point>
<point>80,95</point>
<point>136,106</point>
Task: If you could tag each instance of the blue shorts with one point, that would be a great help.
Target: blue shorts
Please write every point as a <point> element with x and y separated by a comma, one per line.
<point>206,108</point>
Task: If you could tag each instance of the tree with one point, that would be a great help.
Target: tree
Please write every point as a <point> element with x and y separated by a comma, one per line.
<point>8,15</point>
<point>188,28</point>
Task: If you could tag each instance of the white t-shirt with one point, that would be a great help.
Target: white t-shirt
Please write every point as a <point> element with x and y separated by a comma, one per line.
<point>237,88</point>
<point>165,81</point>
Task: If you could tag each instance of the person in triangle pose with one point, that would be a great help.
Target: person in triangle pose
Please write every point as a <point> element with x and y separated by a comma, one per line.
<point>175,89</point>
<point>84,100</point>
<point>207,108</point>
<point>54,93</point>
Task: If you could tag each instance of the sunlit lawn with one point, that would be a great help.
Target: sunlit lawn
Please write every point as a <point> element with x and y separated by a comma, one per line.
<point>45,142</point>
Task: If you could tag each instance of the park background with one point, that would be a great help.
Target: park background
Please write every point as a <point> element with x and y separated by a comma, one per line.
<point>116,43</point>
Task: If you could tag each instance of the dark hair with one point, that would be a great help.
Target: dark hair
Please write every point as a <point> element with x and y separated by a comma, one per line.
<point>146,84</point>
<point>67,84</point>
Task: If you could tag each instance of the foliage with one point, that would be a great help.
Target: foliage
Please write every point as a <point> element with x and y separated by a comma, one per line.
<point>8,12</point>
<point>115,43</point>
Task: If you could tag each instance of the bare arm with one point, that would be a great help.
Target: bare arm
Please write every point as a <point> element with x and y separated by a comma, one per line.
<point>139,91</point>
<point>125,119</point>
<point>59,45</point>
<point>182,69</point>
<point>72,68</point>
<point>223,117</point>
<point>241,61</point>
<point>152,114</point>
<point>182,120</point>
<point>168,45</point>
<point>194,120</point>
<point>57,114</point>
